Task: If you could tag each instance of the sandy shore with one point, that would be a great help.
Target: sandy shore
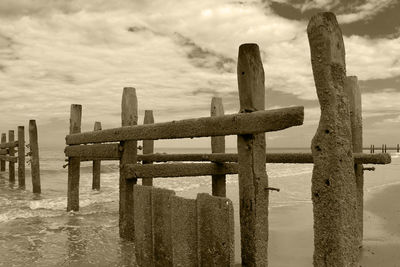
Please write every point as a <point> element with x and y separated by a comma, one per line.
<point>291,230</point>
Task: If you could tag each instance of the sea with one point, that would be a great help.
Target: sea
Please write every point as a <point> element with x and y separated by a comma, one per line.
<point>36,230</point>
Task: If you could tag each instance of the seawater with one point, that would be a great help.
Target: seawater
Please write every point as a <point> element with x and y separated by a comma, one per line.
<point>36,230</point>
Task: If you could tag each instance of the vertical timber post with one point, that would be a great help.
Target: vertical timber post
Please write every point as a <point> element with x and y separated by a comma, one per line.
<point>3,162</point>
<point>398,148</point>
<point>74,163</point>
<point>35,164</point>
<point>334,192</point>
<point>253,180</point>
<point>148,145</point>
<point>21,157</point>
<point>218,146</point>
<point>373,149</point>
<point>353,92</point>
<point>96,164</point>
<point>129,117</point>
<point>11,152</point>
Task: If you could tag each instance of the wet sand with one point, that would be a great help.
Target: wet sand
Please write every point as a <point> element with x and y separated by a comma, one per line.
<point>291,230</point>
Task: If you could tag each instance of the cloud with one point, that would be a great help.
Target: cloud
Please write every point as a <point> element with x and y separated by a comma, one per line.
<point>178,55</point>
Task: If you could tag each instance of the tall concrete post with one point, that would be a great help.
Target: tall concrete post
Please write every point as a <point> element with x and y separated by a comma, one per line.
<point>334,191</point>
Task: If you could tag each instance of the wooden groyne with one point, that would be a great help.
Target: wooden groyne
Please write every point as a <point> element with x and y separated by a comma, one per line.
<point>10,148</point>
<point>384,148</point>
<point>173,231</point>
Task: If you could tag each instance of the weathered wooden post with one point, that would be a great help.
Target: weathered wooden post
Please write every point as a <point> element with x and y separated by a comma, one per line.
<point>11,152</point>
<point>96,164</point>
<point>253,180</point>
<point>385,148</point>
<point>74,163</point>
<point>373,149</point>
<point>398,148</point>
<point>3,162</point>
<point>129,117</point>
<point>334,192</point>
<point>35,164</point>
<point>353,92</point>
<point>218,146</point>
<point>21,157</point>
<point>148,145</point>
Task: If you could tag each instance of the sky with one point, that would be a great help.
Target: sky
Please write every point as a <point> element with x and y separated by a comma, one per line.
<point>179,54</point>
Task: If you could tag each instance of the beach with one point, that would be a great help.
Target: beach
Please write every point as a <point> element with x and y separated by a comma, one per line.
<point>37,231</point>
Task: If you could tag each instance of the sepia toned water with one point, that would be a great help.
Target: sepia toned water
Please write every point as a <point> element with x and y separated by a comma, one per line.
<point>36,230</point>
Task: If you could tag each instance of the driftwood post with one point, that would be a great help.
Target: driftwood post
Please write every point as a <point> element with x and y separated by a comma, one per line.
<point>148,145</point>
<point>96,164</point>
<point>253,180</point>
<point>11,152</point>
<point>129,117</point>
<point>3,162</point>
<point>334,192</point>
<point>354,94</point>
<point>21,157</point>
<point>398,148</point>
<point>218,146</point>
<point>74,163</point>
<point>35,165</point>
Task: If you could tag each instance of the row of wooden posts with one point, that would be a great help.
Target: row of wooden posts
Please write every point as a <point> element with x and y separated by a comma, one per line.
<point>10,148</point>
<point>337,180</point>
<point>384,148</point>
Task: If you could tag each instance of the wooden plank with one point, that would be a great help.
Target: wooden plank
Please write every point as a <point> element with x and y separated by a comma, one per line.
<point>143,225</point>
<point>244,123</point>
<point>135,171</point>
<point>184,232</point>
<point>354,94</point>
<point>112,153</point>
<point>253,179</point>
<point>129,117</point>
<point>2,162</point>
<point>218,146</point>
<point>96,164</point>
<point>10,144</point>
<point>148,145</point>
<point>21,157</point>
<point>9,158</point>
<point>215,231</point>
<point>11,152</point>
<point>333,180</point>
<point>74,162</point>
<point>96,151</point>
<point>161,215</point>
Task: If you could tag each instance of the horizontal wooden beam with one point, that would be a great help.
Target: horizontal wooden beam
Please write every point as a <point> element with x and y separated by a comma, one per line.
<point>382,158</point>
<point>9,144</point>
<point>91,152</point>
<point>112,152</point>
<point>8,158</point>
<point>270,158</point>
<point>242,123</point>
<point>178,169</point>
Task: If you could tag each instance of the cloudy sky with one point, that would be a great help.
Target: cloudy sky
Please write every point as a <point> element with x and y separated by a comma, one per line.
<point>179,54</point>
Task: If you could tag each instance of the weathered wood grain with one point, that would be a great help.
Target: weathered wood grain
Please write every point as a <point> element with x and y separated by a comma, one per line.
<point>11,152</point>
<point>21,157</point>
<point>253,179</point>
<point>244,123</point>
<point>135,171</point>
<point>218,146</point>
<point>96,164</point>
<point>74,164</point>
<point>148,145</point>
<point>129,117</point>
